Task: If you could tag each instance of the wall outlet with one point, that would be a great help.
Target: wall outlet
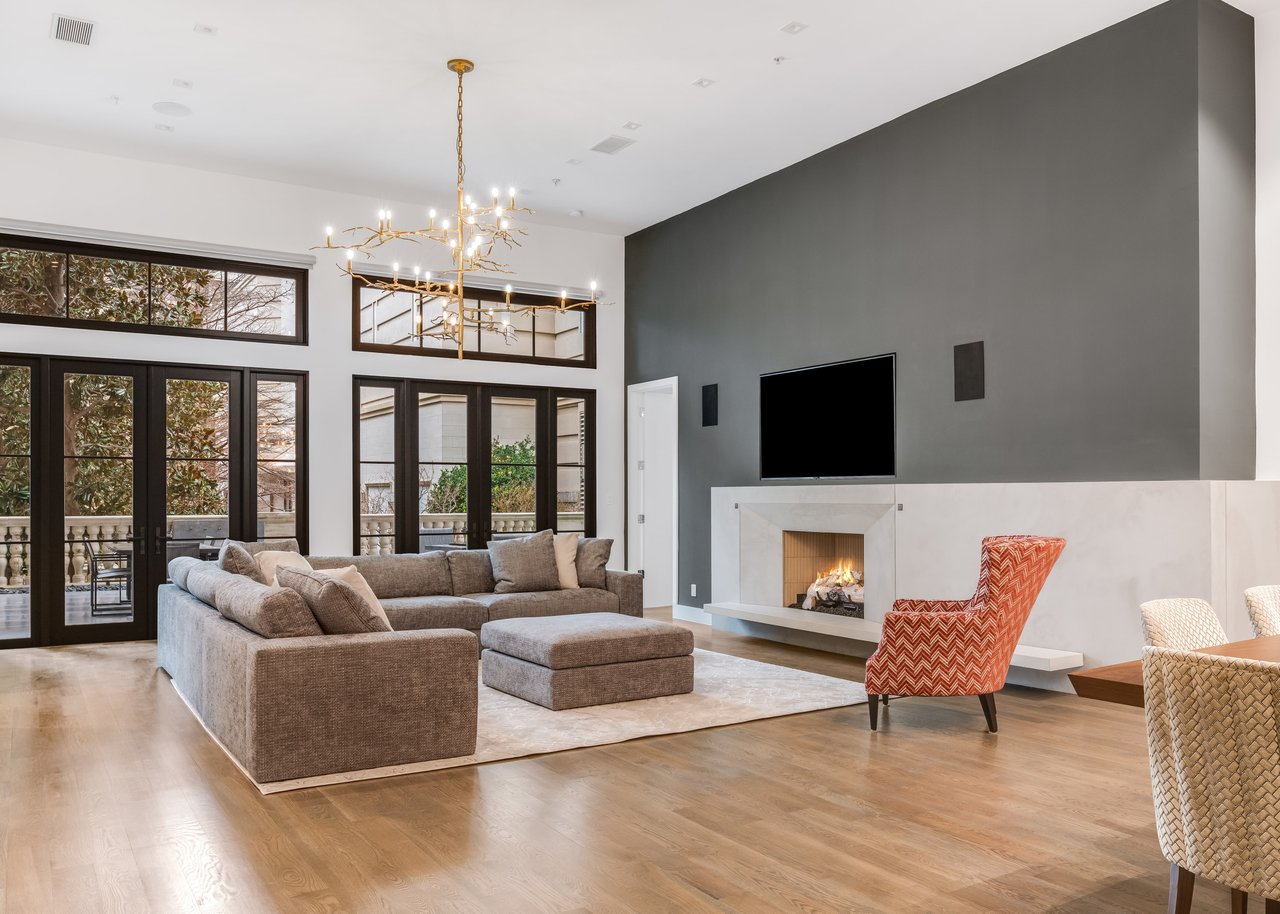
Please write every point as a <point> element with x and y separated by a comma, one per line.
<point>693,590</point>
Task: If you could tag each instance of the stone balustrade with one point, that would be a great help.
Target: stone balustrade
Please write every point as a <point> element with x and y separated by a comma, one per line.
<point>377,537</point>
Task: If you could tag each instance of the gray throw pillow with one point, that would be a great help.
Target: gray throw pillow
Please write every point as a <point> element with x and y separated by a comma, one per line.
<point>593,555</point>
<point>235,558</point>
<point>471,571</point>
<point>336,605</point>
<point>272,612</point>
<point>525,565</point>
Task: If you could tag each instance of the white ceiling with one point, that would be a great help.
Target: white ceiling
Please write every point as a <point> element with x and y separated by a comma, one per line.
<point>355,96</point>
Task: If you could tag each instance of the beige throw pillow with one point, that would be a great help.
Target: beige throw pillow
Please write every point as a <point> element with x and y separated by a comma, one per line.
<point>351,576</point>
<point>272,559</point>
<point>338,607</point>
<point>566,545</point>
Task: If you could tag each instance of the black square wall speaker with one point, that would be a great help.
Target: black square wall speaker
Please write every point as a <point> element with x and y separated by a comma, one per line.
<point>971,372</point>
<point>710,404</point>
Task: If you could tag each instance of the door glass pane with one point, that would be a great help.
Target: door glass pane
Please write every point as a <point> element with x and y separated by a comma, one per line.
<point>571,463</point>
<point>442,471</point>
<point>197,466</point>
<point>104,289</point>
<point>514,468</point>
<point>32,283</point>
<point>277,443</point>
<point>15,501</point>
<point>97,497</point>
<point>376,470</point>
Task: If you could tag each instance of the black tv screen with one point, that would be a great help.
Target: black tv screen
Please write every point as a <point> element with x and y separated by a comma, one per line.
<point>830,421</point>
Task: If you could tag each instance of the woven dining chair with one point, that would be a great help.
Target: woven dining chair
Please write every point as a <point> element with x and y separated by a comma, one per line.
<point>1181,624</point>
<point>1263,604</point>
<point>1213,735</point>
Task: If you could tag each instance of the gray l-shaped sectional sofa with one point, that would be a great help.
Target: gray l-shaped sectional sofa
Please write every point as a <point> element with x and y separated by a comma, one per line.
<point>313,704</point>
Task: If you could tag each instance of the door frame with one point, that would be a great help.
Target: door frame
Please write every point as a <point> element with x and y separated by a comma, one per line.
<point>47,590</point>
<point>634,486</point>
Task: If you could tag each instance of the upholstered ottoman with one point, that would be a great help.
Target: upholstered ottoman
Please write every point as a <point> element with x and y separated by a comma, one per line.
<point>576,661</point>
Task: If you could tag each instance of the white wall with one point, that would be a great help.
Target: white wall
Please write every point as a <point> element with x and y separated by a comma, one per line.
<point>106,193</point>
<point>1267,68</point>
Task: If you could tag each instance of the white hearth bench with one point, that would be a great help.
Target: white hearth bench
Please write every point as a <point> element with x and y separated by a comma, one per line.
<point>1024,656</point>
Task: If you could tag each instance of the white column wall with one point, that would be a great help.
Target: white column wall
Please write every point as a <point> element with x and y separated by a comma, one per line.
<point>107,193</point>
<point>1267,69</point>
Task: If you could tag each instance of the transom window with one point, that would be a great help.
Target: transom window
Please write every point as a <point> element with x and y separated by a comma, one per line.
<point>385,322</point>
<point>82,285</point>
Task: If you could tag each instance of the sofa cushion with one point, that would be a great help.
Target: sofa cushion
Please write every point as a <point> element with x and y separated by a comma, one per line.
<point>272,612</point>
<point>180,567</point>
<point>566,546</point>
<point>405,613</point>
<point>471,570</point>
<point>593,555</point>
<point>547,603</point>
<point>526,564</point>
<point>206,579</point>
<point>355,580</point>
<point>407,575</point>
<point>337,606</point>
<point>236,559</point>
<point>592,639</point>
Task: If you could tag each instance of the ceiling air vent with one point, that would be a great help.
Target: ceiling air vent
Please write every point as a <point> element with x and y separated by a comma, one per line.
<point>612,144</point>
<point>76,31</point>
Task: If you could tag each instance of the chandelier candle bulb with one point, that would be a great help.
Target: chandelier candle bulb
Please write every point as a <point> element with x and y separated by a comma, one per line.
<point>508,297</point>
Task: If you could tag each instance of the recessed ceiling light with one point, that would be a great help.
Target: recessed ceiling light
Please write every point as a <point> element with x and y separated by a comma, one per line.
<point>171,109</point>
<point>166,128</point>
<point>202,29</point>
<point>575,213</point>
<point>793,28</point>
<point>575,161</point>
<point>704,83</point>
<point>631,125</point>
<point>183,84</point>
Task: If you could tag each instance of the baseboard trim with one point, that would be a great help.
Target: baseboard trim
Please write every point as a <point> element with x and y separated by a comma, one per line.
<point>691,614</point>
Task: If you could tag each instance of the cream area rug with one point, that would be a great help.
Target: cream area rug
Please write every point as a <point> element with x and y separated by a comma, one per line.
<point>726,690</point>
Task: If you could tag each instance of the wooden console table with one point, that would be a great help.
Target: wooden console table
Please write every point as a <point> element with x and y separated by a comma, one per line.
<point>1121,683</point>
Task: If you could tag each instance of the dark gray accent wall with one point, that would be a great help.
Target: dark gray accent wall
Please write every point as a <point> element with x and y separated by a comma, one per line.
<point>1227,192</point>
<point>1053,211</point>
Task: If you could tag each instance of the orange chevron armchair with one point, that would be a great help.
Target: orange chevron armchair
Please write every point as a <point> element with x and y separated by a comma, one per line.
<point>963,647</point>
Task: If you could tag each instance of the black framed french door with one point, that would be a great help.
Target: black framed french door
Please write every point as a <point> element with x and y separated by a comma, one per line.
<point>150,466</point>
<point>441,465</point>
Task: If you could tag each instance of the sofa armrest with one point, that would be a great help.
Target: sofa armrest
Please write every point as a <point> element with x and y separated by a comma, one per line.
<point>629,588</point>
<point>348,702</point>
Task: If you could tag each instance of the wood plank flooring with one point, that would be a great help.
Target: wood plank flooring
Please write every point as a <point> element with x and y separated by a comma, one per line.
<point>112,798</point>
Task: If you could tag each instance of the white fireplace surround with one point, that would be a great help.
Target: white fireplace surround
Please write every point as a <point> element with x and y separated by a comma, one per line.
<point>1127,542</point>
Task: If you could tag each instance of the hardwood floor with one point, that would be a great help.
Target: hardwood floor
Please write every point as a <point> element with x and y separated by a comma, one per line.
<point>112,798</point>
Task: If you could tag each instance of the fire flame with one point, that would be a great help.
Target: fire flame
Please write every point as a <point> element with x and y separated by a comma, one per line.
<point>843,575</point>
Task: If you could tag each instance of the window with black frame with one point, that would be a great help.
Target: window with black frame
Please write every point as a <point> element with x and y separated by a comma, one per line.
<point>88,285</point>
<point>383,321</point>
<point>480,461</point>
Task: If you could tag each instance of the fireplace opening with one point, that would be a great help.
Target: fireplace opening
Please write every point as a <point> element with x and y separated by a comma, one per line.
<point>823,572</point>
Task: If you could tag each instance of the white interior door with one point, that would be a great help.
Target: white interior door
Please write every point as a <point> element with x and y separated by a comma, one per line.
<point>652,488</point>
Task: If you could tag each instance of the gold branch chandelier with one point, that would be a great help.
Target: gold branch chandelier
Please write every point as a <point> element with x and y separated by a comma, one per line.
<point>471,235</point>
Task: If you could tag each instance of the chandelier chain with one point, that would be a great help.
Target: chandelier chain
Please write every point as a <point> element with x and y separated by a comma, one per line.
<point>461,166</point>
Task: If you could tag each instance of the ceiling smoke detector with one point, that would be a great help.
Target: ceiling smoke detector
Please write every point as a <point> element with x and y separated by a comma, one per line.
<point>793,28</point>
<point>631,125</point>
<point>202,29</point>
<point>704,83</point>
<point>73,31</point>
<point>165,128</point>
<point>612,144</point>
<point>171,109</point>
<point>183,84</point>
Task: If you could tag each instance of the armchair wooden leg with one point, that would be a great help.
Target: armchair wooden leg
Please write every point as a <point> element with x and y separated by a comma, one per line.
<point>1239,902</point>
<point>1181,884</point>
<point>873,706</point>
<point>1272,906</point>
<point>989,709</point>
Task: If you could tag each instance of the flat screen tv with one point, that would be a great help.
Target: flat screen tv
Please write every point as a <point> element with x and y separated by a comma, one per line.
<point>828,422</point>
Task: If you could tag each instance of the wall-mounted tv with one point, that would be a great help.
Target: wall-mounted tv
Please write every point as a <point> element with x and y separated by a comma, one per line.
<point>828,422</point>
